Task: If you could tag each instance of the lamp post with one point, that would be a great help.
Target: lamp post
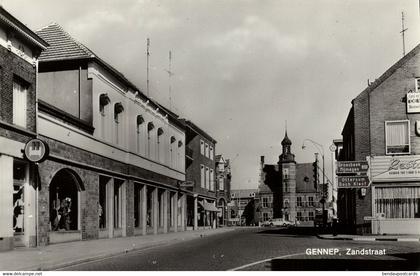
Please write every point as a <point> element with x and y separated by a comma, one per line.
<point>320,149</point>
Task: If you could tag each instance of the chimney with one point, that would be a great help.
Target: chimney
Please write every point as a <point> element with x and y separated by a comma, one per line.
<point>262,160</point>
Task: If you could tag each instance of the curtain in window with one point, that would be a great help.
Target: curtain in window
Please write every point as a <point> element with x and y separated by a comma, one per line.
<point>202,177</point>
<point>397,133</point>
<point>19,104</point>
<point>398,202</point>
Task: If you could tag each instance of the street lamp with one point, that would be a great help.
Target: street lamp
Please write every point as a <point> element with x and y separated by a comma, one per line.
<point>320,149</point>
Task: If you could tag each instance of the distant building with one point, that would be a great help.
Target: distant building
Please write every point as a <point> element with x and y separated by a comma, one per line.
<point>242,207</point>
<point>223,180</point>
<point>293,193</point>
<point>383,127</point>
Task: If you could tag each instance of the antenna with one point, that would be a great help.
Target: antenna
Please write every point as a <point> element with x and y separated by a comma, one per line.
<point>403,31</point>
<point>147,73</point>
<point>170,74</point>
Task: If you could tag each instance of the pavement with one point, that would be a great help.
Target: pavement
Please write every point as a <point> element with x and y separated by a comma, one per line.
<point>399,238</point>
<point>57,256</point>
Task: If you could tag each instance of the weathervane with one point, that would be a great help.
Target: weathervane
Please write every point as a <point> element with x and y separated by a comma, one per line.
<point>403,31</point>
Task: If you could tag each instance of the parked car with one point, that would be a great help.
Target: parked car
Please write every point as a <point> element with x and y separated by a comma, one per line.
<point>278,222</point>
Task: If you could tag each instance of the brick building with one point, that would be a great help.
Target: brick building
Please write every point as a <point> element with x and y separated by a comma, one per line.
<point>383,127</point>
<point>116,156</point>
<point>241,209</point>
<point>293,194</point>
<point>200,176</point>
<point>223,188</point>
<point>19,51</point>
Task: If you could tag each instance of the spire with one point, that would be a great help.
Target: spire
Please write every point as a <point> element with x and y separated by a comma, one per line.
<point>286,140</point>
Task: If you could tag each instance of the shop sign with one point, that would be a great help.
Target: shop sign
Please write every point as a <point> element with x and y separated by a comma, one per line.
<point>352,167</point>
<point>413,101</point>
<point>36,150</point>
<point>352,181</point>
<point>395,168</point>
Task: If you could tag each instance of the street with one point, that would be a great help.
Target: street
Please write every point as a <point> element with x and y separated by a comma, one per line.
<point>264,249</point>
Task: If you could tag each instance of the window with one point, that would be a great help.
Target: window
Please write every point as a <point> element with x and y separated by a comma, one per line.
<point>172,151</point>
<point>265,202</point>
<point>221,184</point>
<point>118,109</point>
<point>206,150</point>
<point>286,173</point>
<point>299,216</point>
<point>139,126</point>
<point>266,216</point>
<point>310,201</point>
<point>397,137</point>
<point>103,111</point>
<point>417,83</point>
<point>179,156</point>
<point>221,167</point>
<point>20,93</point>
<point>20,177</point>
<point>160,153</point>
<point>202,147</point>
<point>150,127</point>
<point>202,177</point>
<point>211,180</point>
<point>398,202</point>
<point>299,201</point>
<point>207,179</point>
<point>102,206</point>
<point>211,153</point>
<point>311,216</point>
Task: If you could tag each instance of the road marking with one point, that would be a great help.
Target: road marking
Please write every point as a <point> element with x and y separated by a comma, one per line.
<point>263,261</point>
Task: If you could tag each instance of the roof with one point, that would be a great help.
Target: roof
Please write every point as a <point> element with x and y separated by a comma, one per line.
<point>286,140</point>
<point>199,131</point>
<point>390,71</point>
<point>219,158</point>
<point>244,193</point>
<point>23,32</point>
<point>63,47</point>
<point>304,178</point>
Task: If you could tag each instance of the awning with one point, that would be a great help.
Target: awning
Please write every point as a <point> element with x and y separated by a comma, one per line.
<point>208,206</point>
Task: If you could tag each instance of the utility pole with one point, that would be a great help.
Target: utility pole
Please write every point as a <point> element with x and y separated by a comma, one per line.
<point>170,74</point>
<point>403,30</point>
<point>147,65</point>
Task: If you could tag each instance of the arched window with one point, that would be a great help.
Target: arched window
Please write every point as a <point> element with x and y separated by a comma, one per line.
<point>139,126</point>
<point>160,145</point>
<point>179,155</point>
<point>150,127</point>
<point>118,109</point>
<point>172,151</point>
<point>103,111</point>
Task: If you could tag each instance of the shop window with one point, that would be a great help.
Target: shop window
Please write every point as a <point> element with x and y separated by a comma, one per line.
<point>137,205</point>
<point>397,137</point>
<point>64,197</point>
<point>20,94</point>
<point>398,202</point>
<point>149,211</point>
<point>299,201</point>
<point>118,204</point>
<point>102,204</point>
<point>20,177</point>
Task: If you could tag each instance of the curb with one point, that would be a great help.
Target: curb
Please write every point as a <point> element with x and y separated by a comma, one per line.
<point>369,239</point>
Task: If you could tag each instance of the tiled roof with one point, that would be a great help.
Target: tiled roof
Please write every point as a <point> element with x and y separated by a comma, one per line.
<point>62,45</point>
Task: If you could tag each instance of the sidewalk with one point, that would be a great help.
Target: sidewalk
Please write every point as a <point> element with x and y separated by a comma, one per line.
<point>400,238</point>
<point>65,254</point>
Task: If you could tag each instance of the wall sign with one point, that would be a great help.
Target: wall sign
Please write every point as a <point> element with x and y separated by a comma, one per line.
<point>352,167</point>
<point>395,168</point>
<point>36,150</point>
<point>413,101</point>
<point>352,182</point>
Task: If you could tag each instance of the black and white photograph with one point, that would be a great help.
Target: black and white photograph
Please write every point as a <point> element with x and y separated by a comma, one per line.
<point>209,135</point>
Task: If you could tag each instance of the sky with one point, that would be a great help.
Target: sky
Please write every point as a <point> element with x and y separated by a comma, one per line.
<point>244,68</point>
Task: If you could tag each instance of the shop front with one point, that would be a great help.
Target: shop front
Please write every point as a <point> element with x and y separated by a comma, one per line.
<point>395,194</point>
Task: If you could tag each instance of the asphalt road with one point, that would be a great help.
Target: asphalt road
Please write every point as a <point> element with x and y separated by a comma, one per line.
<point>263,249</point>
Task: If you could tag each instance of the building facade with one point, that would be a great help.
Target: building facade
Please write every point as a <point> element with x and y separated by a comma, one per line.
<point>223,190</point>
<point>383,127</point>
<point>116,157</point>
<point>201,178</point>
<point>241,210</point>
<point>293,193</point>
<point>19,52</point>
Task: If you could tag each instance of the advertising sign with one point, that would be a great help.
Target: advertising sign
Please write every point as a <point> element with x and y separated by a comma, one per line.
<point>395,168</point>
<point>36,150</point>
<point>413,101</point>
<point>352,181</point>
<point>352,167</point>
